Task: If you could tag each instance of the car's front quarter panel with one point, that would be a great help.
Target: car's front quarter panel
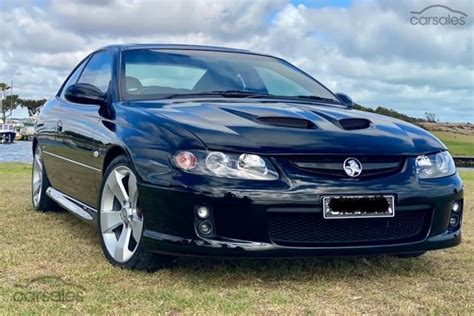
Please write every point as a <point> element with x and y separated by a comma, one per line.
<point>147,139</point>
<point>423,140</point>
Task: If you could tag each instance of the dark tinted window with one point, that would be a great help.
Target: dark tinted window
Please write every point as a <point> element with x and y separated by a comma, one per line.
<point>98,71</point>
<point>73,77</point>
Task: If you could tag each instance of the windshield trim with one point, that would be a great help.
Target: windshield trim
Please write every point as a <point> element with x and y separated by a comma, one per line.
<point>123,95</point>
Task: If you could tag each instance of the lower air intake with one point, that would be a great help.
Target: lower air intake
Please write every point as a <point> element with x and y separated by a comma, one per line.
<point>311,229</point>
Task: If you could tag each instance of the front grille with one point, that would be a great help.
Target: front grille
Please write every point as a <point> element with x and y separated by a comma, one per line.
<point>372,166</point>
<point>311,229</point>
<point>290,122</point>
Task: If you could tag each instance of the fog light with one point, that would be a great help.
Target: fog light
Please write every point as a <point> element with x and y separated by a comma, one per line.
<point>205,228</point>
<point>203,212</point>
<point>456,207</point>
<point>454,221</point>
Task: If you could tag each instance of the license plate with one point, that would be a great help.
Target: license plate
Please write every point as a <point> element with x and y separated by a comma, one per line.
<point>358,206</point>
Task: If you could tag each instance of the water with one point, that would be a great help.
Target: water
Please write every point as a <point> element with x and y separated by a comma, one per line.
<point>16,152</point>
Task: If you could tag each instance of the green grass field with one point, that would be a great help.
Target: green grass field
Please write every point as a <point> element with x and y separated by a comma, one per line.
<point>64,253</point>
<point>458,144</point>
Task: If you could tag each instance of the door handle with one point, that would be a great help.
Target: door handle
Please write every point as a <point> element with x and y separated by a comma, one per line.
<point>59,126</point>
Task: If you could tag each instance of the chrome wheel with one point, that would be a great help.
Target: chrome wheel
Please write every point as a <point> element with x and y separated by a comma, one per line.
<point>121,221</point>
<point>37,181</point>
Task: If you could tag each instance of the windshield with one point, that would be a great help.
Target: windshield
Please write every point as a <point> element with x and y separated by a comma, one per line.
<point>161,74</point>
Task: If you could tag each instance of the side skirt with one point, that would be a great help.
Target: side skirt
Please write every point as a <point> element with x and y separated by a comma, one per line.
<point>75,207</point>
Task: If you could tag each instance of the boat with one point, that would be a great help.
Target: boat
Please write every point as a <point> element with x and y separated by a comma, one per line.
<point>7,133</point>
<point>24,128</point>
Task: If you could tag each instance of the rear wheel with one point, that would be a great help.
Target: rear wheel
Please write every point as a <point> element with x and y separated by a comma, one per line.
<point>39,184</point>
<point>121,219</point>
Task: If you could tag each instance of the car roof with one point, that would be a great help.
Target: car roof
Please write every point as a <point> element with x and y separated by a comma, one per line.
<point>123,47</point>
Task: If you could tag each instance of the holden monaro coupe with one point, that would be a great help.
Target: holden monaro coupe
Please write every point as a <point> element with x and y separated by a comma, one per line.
<point>189,150</point>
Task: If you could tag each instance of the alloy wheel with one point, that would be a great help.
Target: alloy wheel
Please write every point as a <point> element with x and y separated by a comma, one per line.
<point>37,182</point>
<point>121,221</point>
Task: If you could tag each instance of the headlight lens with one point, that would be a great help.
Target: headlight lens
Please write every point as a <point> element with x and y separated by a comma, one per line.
<point>185,160</point>
<point>224,165</point>
<point>218,163</point>
<point>435,166</point>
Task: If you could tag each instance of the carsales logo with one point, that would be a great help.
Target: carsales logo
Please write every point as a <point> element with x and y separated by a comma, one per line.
<point>438,14</point>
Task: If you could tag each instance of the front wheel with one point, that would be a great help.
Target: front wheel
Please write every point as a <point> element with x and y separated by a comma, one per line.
<point>39,184</point>
<point>121,220</point>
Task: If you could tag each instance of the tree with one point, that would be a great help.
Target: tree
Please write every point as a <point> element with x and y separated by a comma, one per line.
<point>11,102</point>
<point>7,102</point>
<point>33,106</point>
<point>4,86</point>
<point>389,112</point>
<point>430,117</point>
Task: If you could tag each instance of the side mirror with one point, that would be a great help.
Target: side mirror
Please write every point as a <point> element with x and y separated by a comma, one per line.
<point>85,93</point>
<point>345,99</point>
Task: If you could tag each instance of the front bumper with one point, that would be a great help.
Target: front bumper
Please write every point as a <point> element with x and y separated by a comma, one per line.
<point>223,247</point>
<point>240,215</point>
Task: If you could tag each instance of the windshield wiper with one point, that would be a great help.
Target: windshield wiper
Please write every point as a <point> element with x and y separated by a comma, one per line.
<point>315,97</point>
<point>248,94</point>
<point>221,93</point>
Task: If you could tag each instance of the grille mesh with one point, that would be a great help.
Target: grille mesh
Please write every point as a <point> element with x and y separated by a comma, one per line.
<point>312,228</point>
<point>289,122</point>
<point>333,165</point>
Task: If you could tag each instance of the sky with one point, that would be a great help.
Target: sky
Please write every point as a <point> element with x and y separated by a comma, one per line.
<point>369,50</point>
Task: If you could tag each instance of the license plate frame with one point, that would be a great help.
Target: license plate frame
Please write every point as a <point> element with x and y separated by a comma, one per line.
<point>329,213</point>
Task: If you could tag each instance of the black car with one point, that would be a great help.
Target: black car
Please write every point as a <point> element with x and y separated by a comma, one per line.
<point>190,150</point>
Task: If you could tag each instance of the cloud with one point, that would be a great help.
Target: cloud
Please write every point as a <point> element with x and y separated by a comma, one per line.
<point>368,49</point>
<point>380,33</point>
<point>220,18</point>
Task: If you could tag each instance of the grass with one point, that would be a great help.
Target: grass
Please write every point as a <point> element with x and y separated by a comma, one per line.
<point>458,144</point>
<point>64,253</point>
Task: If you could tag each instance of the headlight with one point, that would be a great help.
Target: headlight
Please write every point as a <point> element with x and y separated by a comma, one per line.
<point>219,164</point>
<point>435,166</point>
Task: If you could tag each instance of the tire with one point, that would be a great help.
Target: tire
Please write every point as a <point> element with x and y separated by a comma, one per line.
<point>120,221</point>
<point>410,254</point>
<point>39,184</point>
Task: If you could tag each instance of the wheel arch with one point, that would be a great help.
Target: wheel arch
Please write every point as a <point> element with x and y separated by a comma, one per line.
<point>145,166</point>
<point>112,153</point>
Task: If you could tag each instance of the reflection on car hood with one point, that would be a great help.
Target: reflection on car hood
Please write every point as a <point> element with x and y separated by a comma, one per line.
<point>235,126</point>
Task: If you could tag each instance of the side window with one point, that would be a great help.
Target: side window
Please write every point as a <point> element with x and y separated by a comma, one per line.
<point>73,78</point>
<point>98,71</point>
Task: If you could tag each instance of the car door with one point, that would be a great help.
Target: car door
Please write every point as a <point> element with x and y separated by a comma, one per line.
<point>75,172</point>
<point>47,130</point>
